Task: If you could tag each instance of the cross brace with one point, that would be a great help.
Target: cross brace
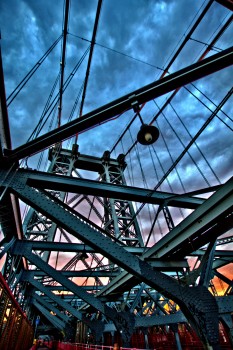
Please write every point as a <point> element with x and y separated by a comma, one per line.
<point>197,303</point>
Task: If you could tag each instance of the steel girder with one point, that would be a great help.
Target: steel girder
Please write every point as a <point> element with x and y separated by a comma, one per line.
<point>225,305</point>
<point>50,181</point>
<point>120,319</point>
<point>83,273</point>
<point>58,300</point>
<point>5,138</point>
<point>52,319</point>
<point>224,278</point>
<point>218,253</point>
<point>197,303</point>
<point>195,225</point>
<point>50,307</point>
<point>171,82</point>
<point>9,207</point>
<point>96,327</point>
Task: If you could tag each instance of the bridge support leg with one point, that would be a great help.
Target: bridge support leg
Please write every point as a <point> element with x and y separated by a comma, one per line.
<point>125,322</point>
<point>97,328</point>
<point>145,332</point>
<point>174,328</point>
<point>201,310</point>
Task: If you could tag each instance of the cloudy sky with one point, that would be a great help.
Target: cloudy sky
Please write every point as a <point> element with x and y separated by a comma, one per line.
<point>135,40</point>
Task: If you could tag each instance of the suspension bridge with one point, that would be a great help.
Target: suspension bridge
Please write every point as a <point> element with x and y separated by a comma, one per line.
<point>116,219</point>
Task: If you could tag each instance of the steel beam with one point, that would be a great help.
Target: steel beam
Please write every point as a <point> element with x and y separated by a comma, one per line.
<point>171,82</point>
<point>160,320</point>
<point>5,138</point>
<point>53,319</point>
<point>66,306</point>
<point>102,189</point>
<point>224,279</point>
<point>218,206</point>
<point>119,318</point>
<point>218,253</point>
<point>197,303</point>
<point>70,247</point>
<point>69,285</point>
<point>213,207</point>
<point>40,299</point>
<point>206,264</point>
<point>83,273</point>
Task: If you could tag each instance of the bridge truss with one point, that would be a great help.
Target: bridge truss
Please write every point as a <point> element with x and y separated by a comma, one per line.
<point>121,239</point>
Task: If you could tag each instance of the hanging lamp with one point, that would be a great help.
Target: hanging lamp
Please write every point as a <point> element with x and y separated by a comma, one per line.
<point>147,134</point>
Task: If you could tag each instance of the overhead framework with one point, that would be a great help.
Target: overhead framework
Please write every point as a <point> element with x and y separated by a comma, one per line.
<point>173,81</point>
<point>114,280</point>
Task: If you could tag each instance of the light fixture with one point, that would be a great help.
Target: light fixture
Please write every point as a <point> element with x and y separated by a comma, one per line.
<point>147,134</point>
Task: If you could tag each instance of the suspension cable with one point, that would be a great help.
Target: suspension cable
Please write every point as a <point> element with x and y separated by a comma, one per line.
<point>185,150</point>
<point>37,129</point>
<point>202,93</point>
<point>195,137</point>
<point>91,54</point>
<point>207,50</point>
<point>228,126</point>
<point>167,148</point>
<point>19,87</point>
<point>65,31</point>
<point>66,84</point>
<point>119,52</point>
<point>199,149</point>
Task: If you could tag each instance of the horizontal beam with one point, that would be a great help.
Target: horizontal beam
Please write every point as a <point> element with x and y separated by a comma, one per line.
<point>69,247</point>
<point>70,184</point>
<point>160,320</point>
<point>81,273</point>
<point>217,253</point>
<point>158,88</point>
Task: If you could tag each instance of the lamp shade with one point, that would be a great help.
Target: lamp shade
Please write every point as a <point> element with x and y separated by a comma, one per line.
<point>147,134</point>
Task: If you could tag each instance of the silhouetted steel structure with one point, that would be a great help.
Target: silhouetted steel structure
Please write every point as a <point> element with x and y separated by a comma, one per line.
<point>130,286</point>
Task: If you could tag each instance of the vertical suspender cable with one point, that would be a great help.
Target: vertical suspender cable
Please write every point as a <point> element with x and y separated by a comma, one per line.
<point>187,37</point>
<point>65,31</point>
<point>217,36</point>
<point>90,58</point>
